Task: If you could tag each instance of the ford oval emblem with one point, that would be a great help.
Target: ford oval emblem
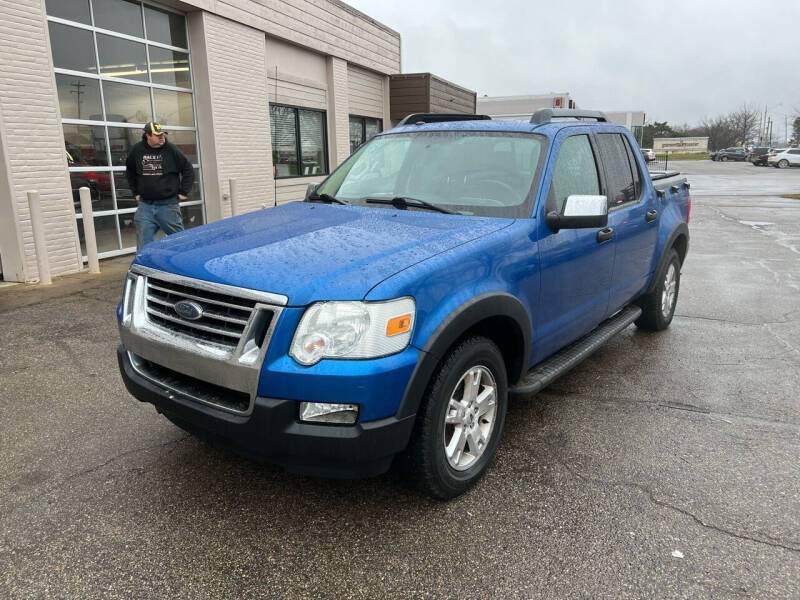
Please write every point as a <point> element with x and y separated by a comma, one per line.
<point>188,309</point>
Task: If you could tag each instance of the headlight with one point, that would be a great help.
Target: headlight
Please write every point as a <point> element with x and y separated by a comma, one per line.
<point>353,330</point>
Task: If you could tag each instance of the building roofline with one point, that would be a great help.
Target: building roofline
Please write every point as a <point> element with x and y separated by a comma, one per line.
<point>524,96</point>
<point>361,15</point>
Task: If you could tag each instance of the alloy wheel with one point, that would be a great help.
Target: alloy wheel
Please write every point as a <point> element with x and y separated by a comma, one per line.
<point>670,291</point>
<point>470,418</point>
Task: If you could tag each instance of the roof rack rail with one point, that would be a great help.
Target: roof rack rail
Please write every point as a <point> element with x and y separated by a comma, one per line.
<point>420,118</point>
<point>546,115</point>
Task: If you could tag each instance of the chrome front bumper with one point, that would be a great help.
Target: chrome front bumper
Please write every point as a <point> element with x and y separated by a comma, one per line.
<point>234,368</point>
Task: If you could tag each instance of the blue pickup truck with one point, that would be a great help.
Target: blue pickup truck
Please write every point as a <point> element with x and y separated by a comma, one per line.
<point>447,265</point>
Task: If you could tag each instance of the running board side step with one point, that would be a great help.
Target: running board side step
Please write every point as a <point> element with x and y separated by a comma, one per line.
<point>570,356</point>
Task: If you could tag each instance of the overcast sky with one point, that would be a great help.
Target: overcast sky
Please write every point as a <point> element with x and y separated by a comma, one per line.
<point>679,61</point>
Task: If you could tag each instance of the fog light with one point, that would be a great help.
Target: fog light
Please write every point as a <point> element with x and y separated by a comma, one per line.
<point>324,412</point>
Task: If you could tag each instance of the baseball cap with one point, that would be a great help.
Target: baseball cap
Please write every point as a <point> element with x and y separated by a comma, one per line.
<point>154,129</point>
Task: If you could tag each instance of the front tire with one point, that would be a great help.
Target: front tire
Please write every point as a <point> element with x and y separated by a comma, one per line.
<point>783,163</point>
<point>658,307</point>
<point>460,421</point>
<point>724,159</point>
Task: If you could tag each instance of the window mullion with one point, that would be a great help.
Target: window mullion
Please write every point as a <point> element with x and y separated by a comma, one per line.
<point>299,142</point>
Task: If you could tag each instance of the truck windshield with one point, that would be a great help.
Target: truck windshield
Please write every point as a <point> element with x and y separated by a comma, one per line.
<point>475,173</point>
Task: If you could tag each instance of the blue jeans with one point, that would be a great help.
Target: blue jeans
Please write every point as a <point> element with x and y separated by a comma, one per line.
<point>152,217</point>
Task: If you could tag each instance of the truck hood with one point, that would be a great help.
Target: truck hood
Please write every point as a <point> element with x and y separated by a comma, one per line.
<point>311,252</point>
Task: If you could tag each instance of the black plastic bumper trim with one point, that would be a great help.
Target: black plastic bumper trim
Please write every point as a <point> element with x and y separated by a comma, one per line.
<point>274,434</point>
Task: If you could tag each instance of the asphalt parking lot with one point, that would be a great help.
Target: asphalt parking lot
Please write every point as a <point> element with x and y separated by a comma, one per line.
<point>665,466</point>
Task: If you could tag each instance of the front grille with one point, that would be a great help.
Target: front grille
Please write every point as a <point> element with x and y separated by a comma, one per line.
<point>225,317</point>
<point>190,386</point>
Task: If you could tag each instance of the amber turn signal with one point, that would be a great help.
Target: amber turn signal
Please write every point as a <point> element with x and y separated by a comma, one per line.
<point>398,325</point>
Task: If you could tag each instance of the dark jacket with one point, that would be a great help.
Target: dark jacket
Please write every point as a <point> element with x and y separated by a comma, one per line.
<point>158,174</point>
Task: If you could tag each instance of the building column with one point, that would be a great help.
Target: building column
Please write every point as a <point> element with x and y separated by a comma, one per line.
<point>338,112</point>
<point>32,139</point>
<point>229,61</point>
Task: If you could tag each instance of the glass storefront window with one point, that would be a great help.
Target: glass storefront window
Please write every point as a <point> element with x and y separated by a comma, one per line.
<point>312,142</point>
<point>119,15</point>
<point>127,229</point>
<point>356,134</point>
<point>96,103</point>
<point>105,230</point>
<point>121,140</point>
<point>126,103</point>
<point>192,215</point>
<point>293,157</point>
<point>173,108</point>
<point>85,145</point>
<point>194,193</point>
<point>125,198</point>
<point>169,67</point>
<point>121,58</point>
<point>165,27</point>
<point>72,48</point>
<point>72,10</point>
<point>186,141</point>
<point>79,97</point>
<point>363,129</point>
<point>284,140</point>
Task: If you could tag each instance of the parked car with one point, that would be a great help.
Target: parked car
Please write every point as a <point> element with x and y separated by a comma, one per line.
<point>440,268</point>
<point>758,155</point>
<point>730,154</point>
<point>784,157</point>
<point>648,154</point>
<point>713,155</point>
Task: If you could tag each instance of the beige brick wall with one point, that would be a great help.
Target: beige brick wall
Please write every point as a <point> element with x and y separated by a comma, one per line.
<point>338,112</point>
<point>365,91</point>
<point>296,91</point>
<point>33,140</point>
<point>327,26</point>
<point>233,114</point>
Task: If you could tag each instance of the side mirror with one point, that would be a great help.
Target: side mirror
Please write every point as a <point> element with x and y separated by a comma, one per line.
<point>579,212</point>
<point>311,190</point>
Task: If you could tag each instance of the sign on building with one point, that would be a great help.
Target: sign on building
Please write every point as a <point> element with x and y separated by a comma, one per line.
<point>685,144</point>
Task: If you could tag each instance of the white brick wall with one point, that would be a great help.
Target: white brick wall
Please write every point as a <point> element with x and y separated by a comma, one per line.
<point>32,134</point>
<point>236,56</point>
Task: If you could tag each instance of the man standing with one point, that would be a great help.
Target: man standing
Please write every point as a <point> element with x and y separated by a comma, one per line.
<point>159,176</point>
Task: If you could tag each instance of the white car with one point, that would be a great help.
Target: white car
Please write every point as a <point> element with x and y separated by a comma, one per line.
<point>648,154</point>
<point>785,157</point>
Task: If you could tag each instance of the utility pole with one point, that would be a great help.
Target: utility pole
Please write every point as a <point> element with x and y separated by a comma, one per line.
<point>78,92</point>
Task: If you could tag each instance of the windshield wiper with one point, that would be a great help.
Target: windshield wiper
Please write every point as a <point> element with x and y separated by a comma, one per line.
<point>326,198</point>
<point>404,202</point>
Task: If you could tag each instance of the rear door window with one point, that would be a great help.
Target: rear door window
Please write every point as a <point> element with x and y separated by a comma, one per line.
<point>619,178</point>
<point>575,172</point>
<point>637,176</point>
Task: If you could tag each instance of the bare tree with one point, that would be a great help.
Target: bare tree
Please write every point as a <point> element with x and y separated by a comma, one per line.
<point>720,132</point>
<point>744,123</point>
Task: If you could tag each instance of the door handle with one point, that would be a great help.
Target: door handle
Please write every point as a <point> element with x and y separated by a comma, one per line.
<point>651,215</point>
<point>604,235</point>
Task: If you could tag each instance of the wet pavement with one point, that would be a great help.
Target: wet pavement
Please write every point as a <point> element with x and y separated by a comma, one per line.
<point>665,466</point>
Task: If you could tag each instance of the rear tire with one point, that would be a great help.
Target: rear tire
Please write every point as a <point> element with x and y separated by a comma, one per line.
<point>460,421</point>
<point>658,307</point>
